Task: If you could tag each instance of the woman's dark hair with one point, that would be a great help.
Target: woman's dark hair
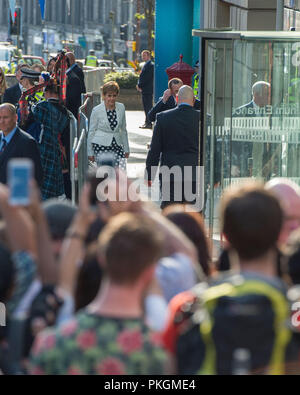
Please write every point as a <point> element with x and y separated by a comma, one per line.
<point>52,87</point>
<point>89,279</point>
<point>6,274</point>
<point>191,224</point>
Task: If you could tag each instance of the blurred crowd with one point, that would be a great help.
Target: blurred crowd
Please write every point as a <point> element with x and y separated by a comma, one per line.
<point>115,286</point>
<point>121,288</point>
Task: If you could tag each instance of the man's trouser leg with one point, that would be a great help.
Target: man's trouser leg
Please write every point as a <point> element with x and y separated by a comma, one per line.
<point>148,104</point>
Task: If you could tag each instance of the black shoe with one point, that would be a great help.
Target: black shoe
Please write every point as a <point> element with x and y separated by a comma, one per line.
<point>146,126</point>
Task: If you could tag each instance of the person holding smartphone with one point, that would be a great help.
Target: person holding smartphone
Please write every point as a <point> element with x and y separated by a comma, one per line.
<point>108,132</point>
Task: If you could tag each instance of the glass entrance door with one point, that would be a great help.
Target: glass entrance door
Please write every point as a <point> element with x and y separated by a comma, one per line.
<point>217,98</point>
<point>251,119</point>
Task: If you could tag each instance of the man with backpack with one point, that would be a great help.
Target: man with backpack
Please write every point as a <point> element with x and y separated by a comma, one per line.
<point>244,312</point>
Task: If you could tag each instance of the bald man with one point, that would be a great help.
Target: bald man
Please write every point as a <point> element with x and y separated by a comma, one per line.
<point>77,70</point>
<point>14,143</point>
<point>258,107</point>
<point>175,142</point>
<point>288,194</point>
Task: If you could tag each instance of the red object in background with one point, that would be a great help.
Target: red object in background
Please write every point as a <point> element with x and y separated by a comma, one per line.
<point>32,60</point>
<point>181,70</point>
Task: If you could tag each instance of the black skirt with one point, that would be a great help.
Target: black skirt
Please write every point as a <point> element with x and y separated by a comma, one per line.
<point>115,149</point>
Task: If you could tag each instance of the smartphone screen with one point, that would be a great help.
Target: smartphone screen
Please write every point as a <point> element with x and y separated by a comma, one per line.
<point>19,177</point>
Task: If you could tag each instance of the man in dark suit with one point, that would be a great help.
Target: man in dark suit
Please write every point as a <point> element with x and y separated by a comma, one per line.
<point>175,142</point>
<point>15,143</point>
<point>260,103</point>
<point>253,158</point>
<point>12,95</point>
<point>74,88</point>
<point>77,70</point>
<point>169,99</point>
<point>145,86</point>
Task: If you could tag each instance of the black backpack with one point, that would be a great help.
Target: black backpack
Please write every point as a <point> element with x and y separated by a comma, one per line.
<point>236,314</point>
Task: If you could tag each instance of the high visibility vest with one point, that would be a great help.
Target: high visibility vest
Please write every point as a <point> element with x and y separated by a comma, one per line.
<point>7,70</point>
<point>13,68</point>
<point>196,86</point>
<point>91,61</point>
<point>35,98</point>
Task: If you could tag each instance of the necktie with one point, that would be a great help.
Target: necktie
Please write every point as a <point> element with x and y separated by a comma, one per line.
<point>4,144</point>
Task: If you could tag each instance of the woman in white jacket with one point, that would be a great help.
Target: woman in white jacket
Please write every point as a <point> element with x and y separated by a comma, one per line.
<point>108,132</point>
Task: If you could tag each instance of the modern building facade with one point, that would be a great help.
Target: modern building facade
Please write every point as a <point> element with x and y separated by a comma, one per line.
<point>250,14</point>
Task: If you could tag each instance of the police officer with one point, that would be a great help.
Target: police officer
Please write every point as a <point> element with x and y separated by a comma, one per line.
<point>91,59</point>
<point>29,79</point>
<point>196,80</point>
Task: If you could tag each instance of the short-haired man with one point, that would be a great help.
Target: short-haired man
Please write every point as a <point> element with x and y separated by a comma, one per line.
<point>169,99</point>
<point>254,158</point>
<point>15,143</point>
<point>247,308</point>
<point>145,86</point>
<point>260,99</point>
<point>12,95</point>
<point>175,142</point>
<point>251,222</point>
<point>110,336</point>
<point>77,70</point>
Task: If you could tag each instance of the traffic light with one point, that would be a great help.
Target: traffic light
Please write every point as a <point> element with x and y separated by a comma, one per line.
<point>134,31</point>
<point>15,26</point>
<point>124,32</point>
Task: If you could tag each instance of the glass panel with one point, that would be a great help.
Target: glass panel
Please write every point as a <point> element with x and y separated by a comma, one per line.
<point>265,122</point>
<point>252,115</point>
<point>218,104</point>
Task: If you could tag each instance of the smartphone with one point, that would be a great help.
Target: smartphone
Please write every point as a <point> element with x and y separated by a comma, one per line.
<point>19,176</point>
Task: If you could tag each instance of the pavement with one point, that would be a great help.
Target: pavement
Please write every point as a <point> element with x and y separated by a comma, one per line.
<point>138,140</point>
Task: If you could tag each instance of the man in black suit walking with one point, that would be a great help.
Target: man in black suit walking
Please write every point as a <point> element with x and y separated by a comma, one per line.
<point>175,142</point>
<point>15,143</point>
<point>145,86</point>
<point>12,95</point>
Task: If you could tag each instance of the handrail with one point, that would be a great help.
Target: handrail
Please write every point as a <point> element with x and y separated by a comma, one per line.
<point>80,160</point>
<point>81,140</point>
<point>85,104</point>
<point>79,157</point>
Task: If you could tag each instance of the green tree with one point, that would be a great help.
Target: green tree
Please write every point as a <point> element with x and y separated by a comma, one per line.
<point>148,13</point>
